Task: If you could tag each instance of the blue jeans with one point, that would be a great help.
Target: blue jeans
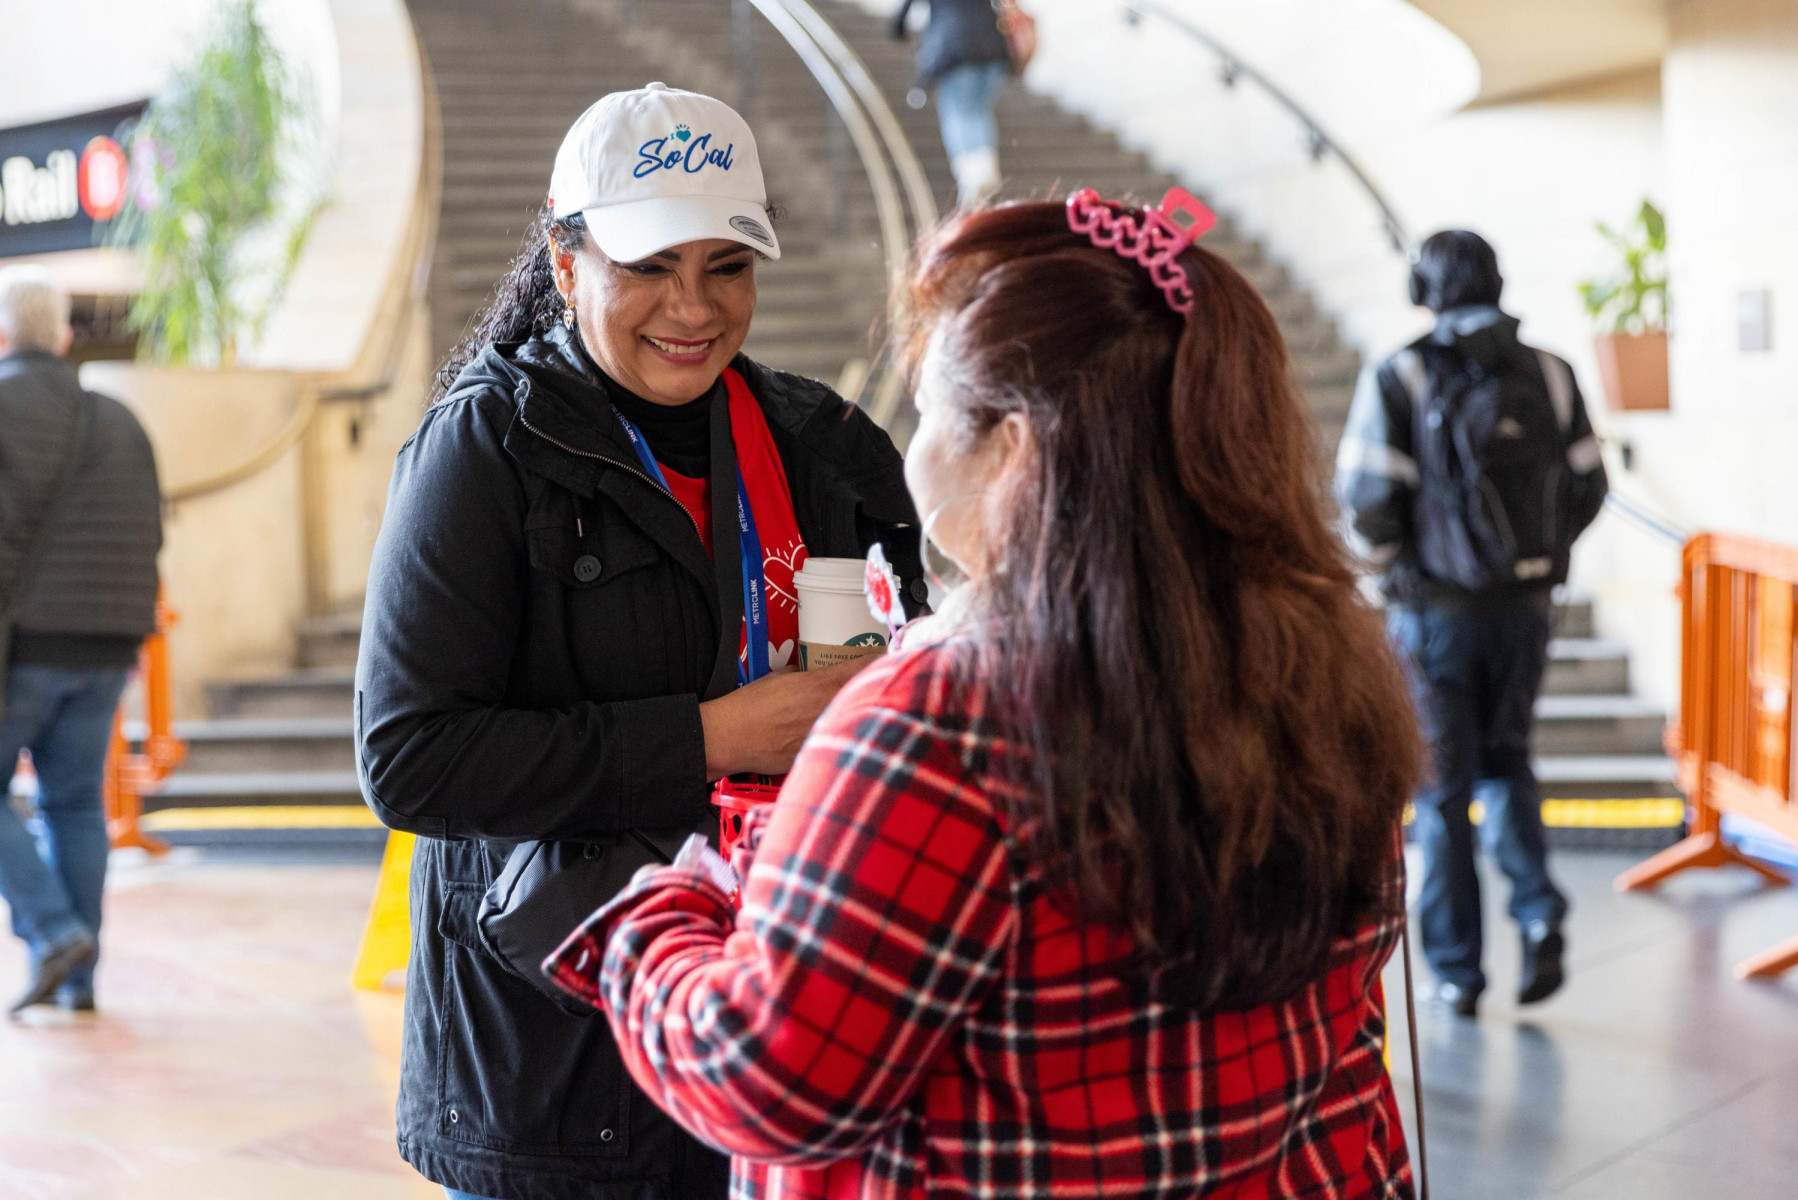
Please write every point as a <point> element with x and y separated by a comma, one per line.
<point>63,715</point>
<point>1475,680</point>
<point>965,97</point>
<point>453,1194</point>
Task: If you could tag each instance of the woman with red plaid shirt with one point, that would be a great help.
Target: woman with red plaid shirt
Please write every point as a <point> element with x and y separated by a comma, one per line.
<point>1085,890</point>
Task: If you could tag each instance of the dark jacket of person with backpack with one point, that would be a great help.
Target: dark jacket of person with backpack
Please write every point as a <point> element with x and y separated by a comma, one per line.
<point>1467,470</point>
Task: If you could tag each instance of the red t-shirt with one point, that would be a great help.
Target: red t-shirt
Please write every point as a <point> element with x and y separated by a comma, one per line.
<point>695,495</point>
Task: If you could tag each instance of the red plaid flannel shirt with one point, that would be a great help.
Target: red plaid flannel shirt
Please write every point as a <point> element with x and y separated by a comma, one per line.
<point>899,1010</point>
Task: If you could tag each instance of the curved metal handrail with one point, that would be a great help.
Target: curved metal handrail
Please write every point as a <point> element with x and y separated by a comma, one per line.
<point>895,241</point>
<point>892,133</point>
<point>1636,514</point>
<point>1321,143</point>
<point>884,149</point>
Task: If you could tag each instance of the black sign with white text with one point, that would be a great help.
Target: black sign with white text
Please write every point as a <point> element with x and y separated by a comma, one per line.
<point>62,181</point>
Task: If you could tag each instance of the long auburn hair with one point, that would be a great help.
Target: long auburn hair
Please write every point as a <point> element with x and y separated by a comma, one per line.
<point>1214,739</point>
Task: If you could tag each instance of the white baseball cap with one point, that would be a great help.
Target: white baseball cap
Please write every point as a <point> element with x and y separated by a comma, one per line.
<point>656,167</point>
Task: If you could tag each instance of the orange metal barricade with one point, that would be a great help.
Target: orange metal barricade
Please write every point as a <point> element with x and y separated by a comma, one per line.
<point>1734,738</point>
<point>129,775</point>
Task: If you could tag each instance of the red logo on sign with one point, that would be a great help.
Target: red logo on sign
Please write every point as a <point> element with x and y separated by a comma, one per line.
<point>101,179</point>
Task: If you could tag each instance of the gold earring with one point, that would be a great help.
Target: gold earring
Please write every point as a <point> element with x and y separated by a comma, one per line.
<point>568,316</point>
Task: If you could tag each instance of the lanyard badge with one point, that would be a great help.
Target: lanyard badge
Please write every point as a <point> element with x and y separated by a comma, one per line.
<point>753,663</point>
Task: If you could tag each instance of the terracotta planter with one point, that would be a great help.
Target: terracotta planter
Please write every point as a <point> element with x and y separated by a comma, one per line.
<point>1634,369</point>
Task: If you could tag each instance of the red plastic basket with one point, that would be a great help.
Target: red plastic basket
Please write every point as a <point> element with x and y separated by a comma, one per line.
<point>735,801</point>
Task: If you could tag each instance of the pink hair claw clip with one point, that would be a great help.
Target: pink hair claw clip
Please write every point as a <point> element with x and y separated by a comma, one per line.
<point>1165,232</point>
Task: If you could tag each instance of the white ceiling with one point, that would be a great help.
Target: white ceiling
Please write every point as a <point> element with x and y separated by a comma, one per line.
<point>1530,46</point>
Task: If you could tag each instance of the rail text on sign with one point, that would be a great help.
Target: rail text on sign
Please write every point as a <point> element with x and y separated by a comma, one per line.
<point>63,182</point>
<point>30,194</point>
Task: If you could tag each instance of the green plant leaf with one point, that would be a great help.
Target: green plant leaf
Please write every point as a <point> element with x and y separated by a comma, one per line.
<point>213,160</point>
<point>1633,297</point>
<point>1654,225</point>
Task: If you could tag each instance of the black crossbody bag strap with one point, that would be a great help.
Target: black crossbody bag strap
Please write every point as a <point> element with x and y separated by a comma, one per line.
<point>39,541</point>
<point>1404,943</point>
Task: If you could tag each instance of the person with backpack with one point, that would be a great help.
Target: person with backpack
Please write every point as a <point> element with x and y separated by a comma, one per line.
<point>1467,469</point>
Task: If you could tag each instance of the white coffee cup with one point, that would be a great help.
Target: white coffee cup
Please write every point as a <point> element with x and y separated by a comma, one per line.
<point>834,622</point>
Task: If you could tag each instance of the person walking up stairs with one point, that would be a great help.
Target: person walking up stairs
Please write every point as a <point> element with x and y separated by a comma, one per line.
<point>1468,468</point>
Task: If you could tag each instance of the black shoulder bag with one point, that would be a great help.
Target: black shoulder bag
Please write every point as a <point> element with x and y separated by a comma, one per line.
<point>39,540</point>
<point>547,888</point>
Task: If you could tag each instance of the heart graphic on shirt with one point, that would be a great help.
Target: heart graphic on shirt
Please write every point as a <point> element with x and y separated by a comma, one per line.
<point>682,132</point>
<point>779,656</point>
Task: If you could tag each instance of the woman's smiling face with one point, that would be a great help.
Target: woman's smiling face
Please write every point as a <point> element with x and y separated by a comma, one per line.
<point>665,327</point>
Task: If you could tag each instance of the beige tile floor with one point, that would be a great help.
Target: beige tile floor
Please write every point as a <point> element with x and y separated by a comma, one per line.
<point>231,1058</point>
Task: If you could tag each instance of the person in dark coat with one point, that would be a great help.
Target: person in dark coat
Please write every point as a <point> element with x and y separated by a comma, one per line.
<point>963,56</point>
<point>555,641</point>
<point>80,528</point>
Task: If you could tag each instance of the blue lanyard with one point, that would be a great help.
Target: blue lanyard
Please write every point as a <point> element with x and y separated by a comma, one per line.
<point>754,664</point>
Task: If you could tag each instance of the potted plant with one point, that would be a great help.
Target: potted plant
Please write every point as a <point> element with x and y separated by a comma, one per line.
<point>1629,306</point>
<point>216,210</point>
<point>226,177</point>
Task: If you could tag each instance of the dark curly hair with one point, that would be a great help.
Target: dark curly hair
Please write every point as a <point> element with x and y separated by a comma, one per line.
<point>526,302</point>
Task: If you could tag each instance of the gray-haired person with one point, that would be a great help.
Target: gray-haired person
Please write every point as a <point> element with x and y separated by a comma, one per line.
<point>80,526</point>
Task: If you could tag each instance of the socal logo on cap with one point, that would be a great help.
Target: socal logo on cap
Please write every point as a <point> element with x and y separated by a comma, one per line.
<point>657,155</point>
<point>658,167</point>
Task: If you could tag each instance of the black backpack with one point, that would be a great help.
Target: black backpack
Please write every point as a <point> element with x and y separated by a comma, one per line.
<point>1492,463</point>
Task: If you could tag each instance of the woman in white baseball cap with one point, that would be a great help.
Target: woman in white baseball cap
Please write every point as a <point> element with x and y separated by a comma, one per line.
<point>578,616</point>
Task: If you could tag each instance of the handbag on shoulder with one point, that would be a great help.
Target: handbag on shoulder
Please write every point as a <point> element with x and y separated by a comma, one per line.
<point>548,888</point>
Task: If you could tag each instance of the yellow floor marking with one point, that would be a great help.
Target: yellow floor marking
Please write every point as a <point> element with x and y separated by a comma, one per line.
<point>1655,812</point>
<point>273,816</point>
<point>387,938</point>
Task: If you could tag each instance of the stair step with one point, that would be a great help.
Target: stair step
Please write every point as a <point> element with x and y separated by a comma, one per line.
<point>330,641</point>
<point>1330,401</point>
<point>1324,367</point>
<point>256,788</point>
<point>1573,618</point>
<point>259,744</point>
<point>322,692</point>
<point>1587,666</point>
<point>1603,725</point>
<point>1607,776</point>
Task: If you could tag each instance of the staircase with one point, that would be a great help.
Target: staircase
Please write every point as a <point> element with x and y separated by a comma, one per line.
<point>276,760</point>
<point>819,303</point>
<point>1595,740</point>
<point>511,78</point>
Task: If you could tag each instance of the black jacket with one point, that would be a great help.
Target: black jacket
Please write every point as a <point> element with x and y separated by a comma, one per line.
<point>1377,475</point>
<point>960,33</point>
<point>504,694</point>
<point>96,576</point>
